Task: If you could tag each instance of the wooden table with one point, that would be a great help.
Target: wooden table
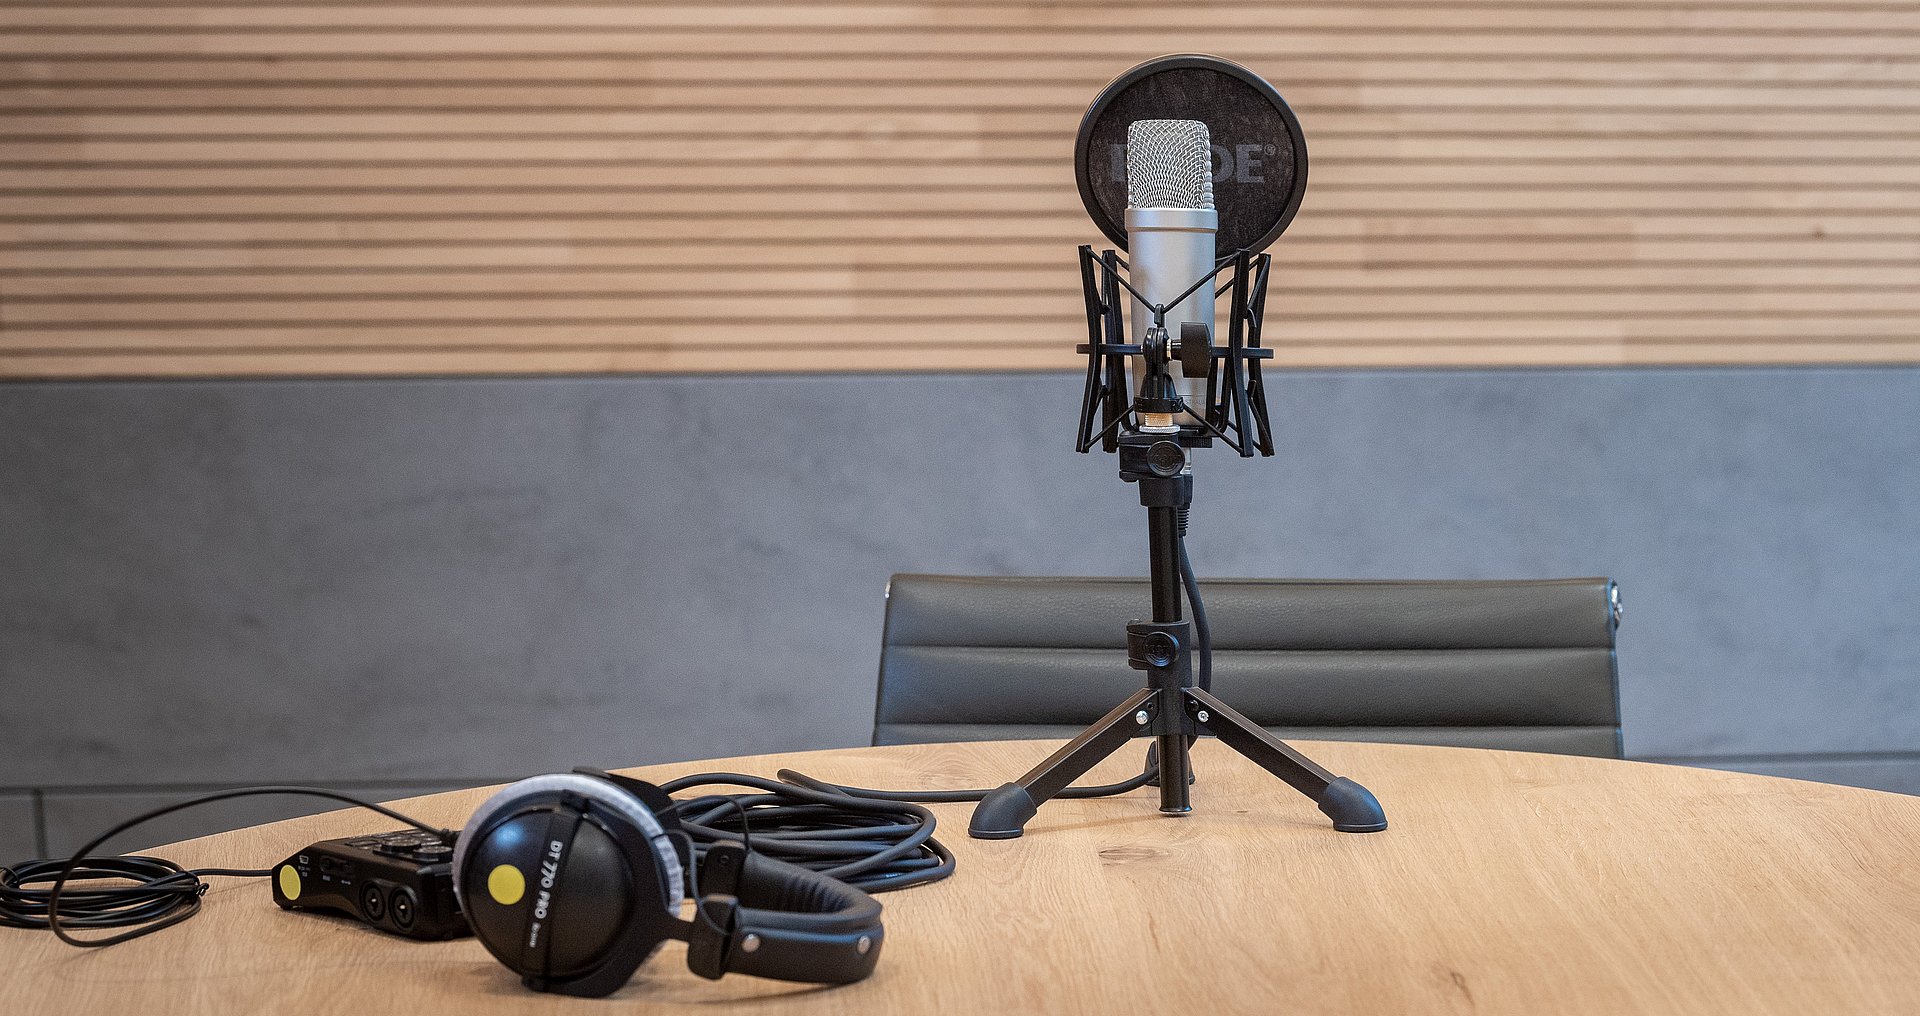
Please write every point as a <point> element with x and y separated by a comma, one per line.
<point>1508,883</point>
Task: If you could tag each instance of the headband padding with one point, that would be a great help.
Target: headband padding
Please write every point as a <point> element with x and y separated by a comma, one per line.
<point>776,894</point>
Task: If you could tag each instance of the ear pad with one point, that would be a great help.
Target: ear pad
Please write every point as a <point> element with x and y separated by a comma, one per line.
<point>613,894</point>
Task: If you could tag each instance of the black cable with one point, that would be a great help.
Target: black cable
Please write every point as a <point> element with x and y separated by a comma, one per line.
<point>959,796</point>
<point>159,893</point>
<point>1202,633</point>
<point>878,845</point>
<point>160,888</point>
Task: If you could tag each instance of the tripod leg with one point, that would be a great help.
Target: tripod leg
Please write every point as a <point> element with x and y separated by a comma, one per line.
<point>1351,806</point>
<point>1004,812</point>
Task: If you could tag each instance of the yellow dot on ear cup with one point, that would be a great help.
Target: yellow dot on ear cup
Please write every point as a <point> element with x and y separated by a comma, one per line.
<point>506,885</point>
<point>289,882</point>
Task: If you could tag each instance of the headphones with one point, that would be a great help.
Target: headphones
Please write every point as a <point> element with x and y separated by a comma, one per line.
<point>575,879</point>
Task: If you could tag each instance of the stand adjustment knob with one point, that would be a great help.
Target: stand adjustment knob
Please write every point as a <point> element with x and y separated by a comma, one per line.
<point>1153,645</point>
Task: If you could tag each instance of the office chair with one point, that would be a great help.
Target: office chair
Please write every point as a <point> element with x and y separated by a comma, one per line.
<point>1526,665</point>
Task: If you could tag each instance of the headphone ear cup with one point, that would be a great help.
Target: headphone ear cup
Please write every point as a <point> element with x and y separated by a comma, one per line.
<point>568,881</point>
<point>580,908</point>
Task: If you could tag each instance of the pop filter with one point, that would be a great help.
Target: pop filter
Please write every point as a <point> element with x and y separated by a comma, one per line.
<point>1259,154</point>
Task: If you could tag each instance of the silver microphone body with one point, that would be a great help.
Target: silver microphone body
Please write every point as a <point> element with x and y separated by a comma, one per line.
<point>1171,224</point>
<point>1168,250</point>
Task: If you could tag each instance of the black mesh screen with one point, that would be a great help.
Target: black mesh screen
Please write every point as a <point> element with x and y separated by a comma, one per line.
<point>1259,156</point>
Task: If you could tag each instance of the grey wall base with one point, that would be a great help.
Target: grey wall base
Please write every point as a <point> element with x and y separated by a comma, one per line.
<point>428,582</point>
<point>1899,774</point>
<point>20,830</point>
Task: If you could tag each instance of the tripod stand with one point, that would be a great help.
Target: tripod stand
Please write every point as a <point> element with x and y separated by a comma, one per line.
<point>1170,708</point>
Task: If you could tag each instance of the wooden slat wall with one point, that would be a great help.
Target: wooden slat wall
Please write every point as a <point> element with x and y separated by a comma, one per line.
<point>640,185</point>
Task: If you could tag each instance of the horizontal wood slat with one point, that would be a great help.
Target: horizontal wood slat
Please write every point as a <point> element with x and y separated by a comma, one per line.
<point>667,68</point>
<point>1382,37</point>
<point>497,186</point>
<point>1449,18</point>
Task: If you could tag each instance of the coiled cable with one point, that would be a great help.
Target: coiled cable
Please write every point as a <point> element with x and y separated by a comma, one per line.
<point>874,844</point>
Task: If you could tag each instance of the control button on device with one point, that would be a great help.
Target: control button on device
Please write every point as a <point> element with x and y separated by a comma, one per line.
<point>289,882</point>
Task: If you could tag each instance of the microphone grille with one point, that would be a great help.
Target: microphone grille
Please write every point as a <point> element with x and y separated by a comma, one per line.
<point>1169,164</point>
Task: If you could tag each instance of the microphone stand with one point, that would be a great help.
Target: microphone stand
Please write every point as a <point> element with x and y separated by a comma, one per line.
<point>1153,451</point>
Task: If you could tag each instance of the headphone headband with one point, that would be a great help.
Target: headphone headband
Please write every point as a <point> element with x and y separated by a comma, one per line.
<point>765,917</point>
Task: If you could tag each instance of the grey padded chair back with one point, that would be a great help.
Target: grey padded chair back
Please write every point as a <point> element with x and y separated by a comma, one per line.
<point>1524,665</point>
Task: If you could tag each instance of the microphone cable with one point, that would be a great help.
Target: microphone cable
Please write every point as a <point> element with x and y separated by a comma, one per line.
<point>874,844</point>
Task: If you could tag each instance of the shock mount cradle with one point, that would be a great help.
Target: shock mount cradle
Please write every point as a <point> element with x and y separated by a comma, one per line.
<point>1153,443</point>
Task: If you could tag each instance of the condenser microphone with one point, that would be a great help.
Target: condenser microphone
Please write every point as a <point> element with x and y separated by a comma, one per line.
<point>1192,165</point>
<point>1176,151</point>
<point>1171,223</point>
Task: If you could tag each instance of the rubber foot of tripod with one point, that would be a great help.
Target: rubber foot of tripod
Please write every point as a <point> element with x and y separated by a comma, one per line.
<point>1352,807</point>
<point>1003,813</point>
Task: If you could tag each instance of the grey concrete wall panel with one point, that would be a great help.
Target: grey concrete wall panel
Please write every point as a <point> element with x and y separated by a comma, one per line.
<point>449,580</point>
